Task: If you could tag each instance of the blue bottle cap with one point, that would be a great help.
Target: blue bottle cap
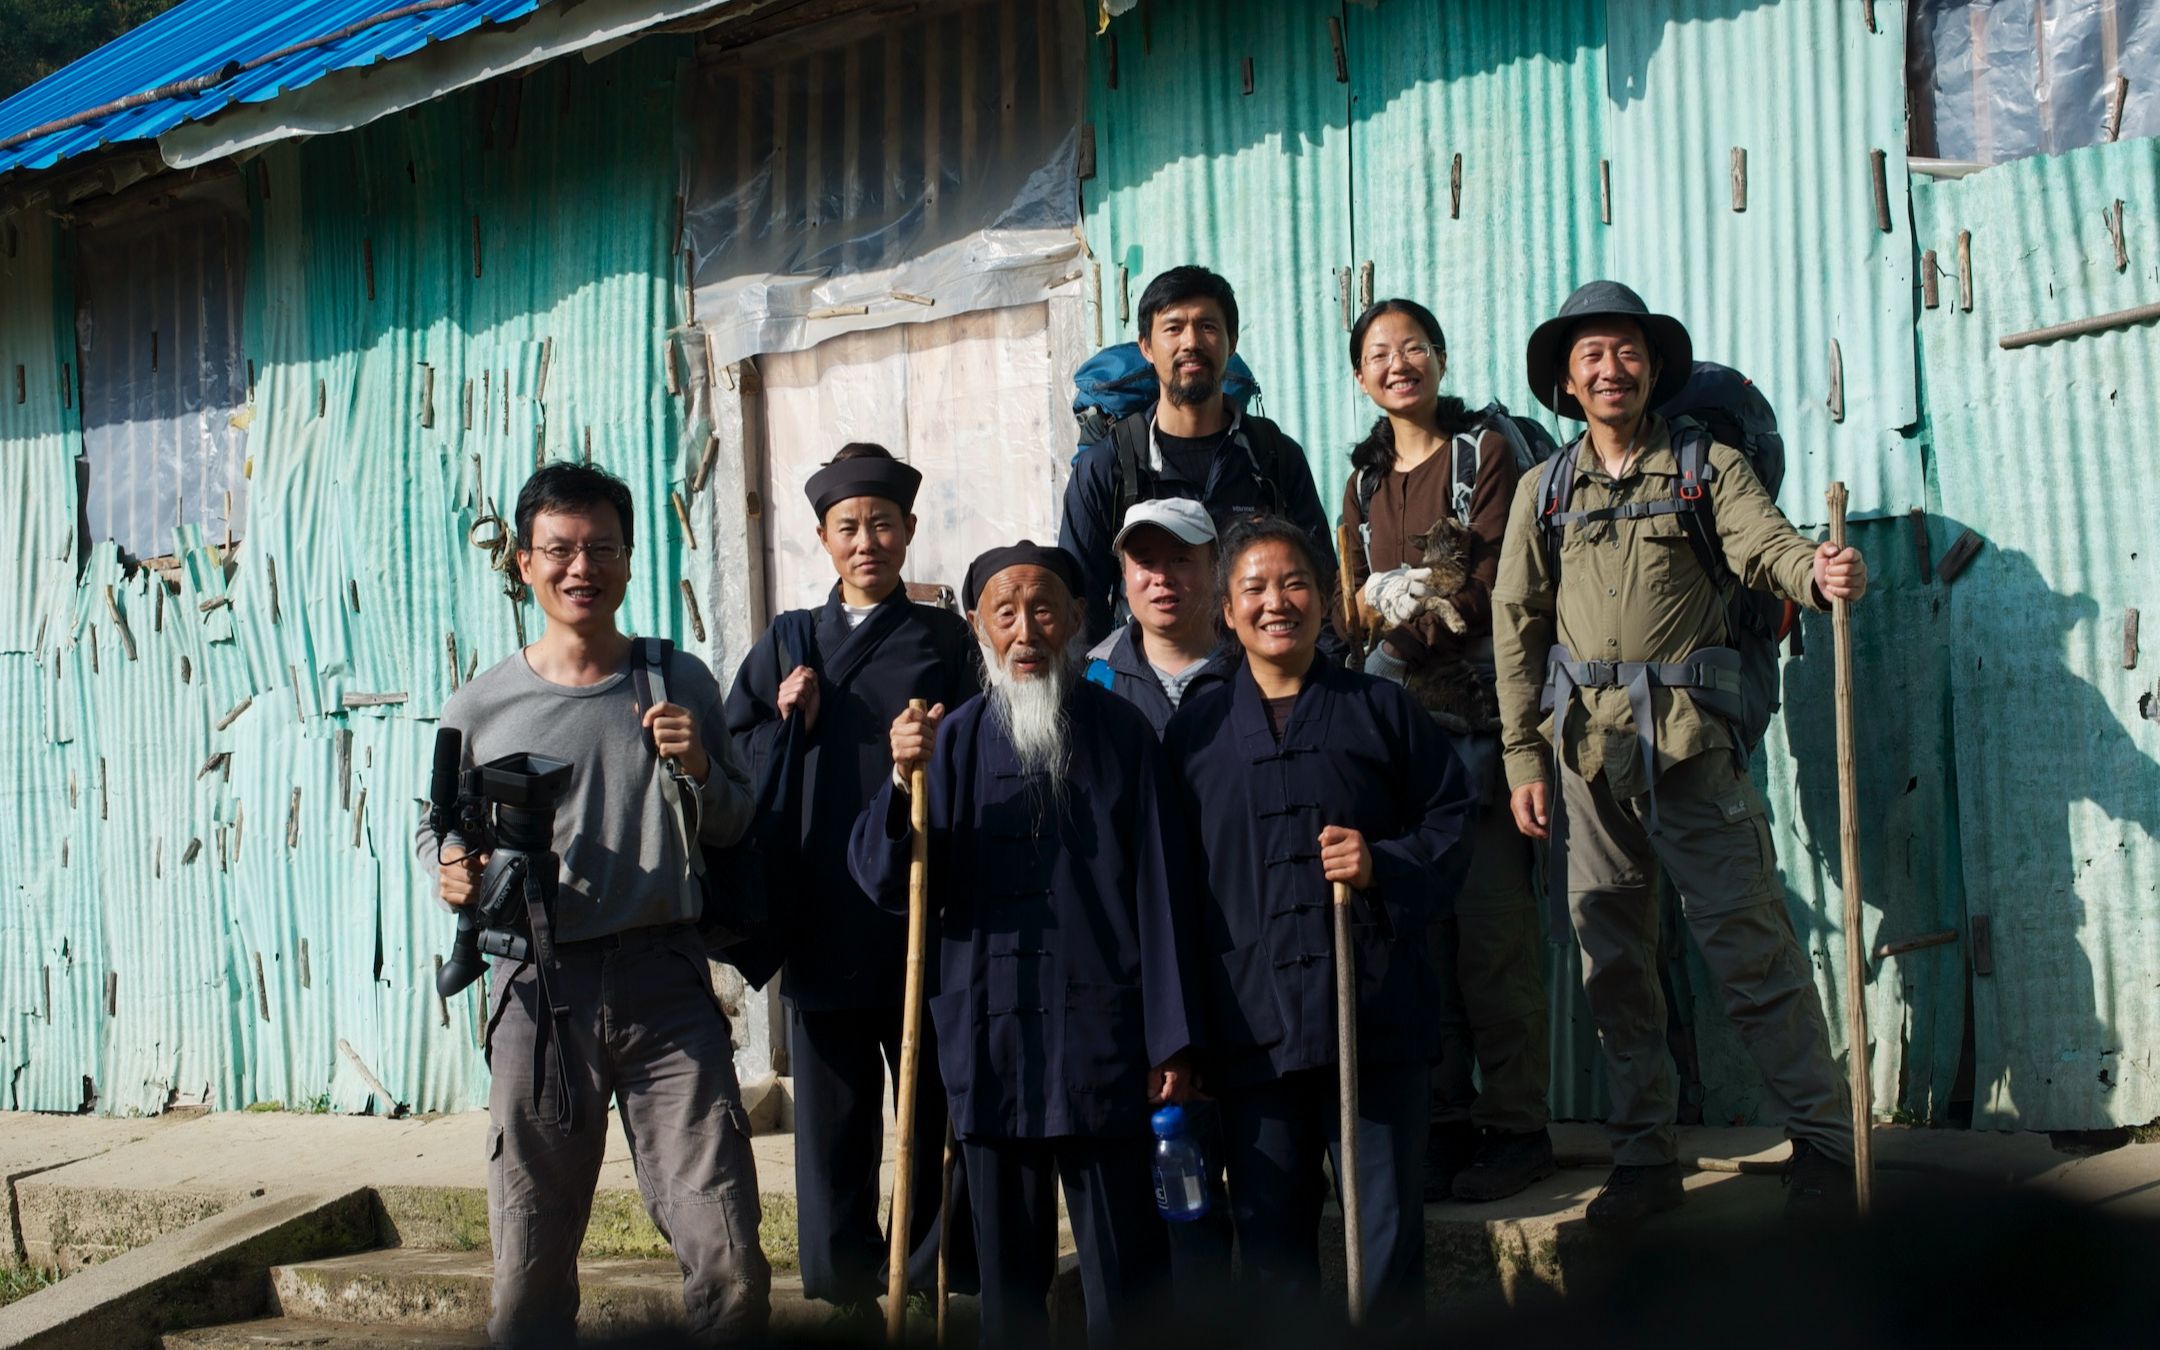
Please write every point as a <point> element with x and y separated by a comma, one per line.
<point>1169,1122</point>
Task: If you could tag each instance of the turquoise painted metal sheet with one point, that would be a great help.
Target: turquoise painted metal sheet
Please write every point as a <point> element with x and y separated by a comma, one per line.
<point>1518,93</point>
<point>1191,169</point>
<point>210,893</point>
<point>1809,94</point>
<point>2045,452</point>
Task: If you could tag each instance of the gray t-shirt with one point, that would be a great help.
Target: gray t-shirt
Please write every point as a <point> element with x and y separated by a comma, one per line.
<point>1174,685</point>
<point>623,864</point>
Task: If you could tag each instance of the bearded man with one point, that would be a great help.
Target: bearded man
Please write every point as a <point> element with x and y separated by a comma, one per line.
<point>1057,990</point>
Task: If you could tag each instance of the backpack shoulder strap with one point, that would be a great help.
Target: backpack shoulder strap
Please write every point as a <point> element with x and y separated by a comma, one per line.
<point>1126,472</point>
<point>1691,448</point>
<point>796,631</point>
<point>1467,451</point>
<point>648,673</point>
<point>1099,672</point>
<point>1263,442</point>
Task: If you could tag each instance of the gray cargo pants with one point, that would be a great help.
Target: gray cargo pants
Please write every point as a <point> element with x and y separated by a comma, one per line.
<point>644,1028</point>
<point>1715,846</point>
<point>1492,953</point>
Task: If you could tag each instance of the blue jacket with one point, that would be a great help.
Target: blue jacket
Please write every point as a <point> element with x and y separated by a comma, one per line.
<point>1119,664</point>
<point>1358,752</point>
<point>1057,979</point>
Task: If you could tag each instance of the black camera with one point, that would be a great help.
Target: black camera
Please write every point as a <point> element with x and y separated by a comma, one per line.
<point>505,809</point>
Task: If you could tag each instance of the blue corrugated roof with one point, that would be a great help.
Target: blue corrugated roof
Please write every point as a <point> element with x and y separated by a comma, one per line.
<point>202,37</point>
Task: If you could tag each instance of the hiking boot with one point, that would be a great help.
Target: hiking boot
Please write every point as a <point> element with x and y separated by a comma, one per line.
<point>1448,1150</point>
<point>1818,1188</point>
<point>1506,1162</point>
<point>1633,1194</point>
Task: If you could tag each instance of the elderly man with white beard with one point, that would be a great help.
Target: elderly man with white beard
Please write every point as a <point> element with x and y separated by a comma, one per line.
<point>1058,990</point>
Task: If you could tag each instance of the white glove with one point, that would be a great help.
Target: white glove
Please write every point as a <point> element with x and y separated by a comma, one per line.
<point>1398,595</point>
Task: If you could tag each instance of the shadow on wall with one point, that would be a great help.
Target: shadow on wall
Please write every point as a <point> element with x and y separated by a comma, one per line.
<point>1957,836</point>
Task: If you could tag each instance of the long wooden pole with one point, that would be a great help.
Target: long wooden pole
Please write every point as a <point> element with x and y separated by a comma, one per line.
<point>1856,953</point>
<point>1346,1071</point>
<point>1346,538</point>
<point>910,1049</point>
<point>944,1232</point>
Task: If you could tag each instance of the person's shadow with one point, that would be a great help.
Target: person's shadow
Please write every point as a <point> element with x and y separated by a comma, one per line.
<point>2003,799</point>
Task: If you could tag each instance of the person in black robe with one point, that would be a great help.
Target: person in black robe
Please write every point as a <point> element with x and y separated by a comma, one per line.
<point>1291,776</point>
<point>825,685</point>
<point>1055,972</point>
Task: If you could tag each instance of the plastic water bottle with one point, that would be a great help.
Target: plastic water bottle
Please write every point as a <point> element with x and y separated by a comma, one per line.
<point>1181,1171</point>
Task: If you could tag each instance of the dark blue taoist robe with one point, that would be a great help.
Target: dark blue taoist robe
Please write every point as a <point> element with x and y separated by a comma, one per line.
<point>1056,983</point>
<point>1356,752</point>
<point>841,952</point>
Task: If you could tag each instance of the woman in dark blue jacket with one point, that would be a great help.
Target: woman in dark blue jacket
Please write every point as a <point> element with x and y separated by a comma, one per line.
<point>1297,774</point>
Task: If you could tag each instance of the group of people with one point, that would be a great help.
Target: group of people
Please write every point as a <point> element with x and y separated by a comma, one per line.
<point>1151,753</point>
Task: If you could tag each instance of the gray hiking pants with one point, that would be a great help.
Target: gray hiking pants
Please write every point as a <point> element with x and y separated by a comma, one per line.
<point>1491,958</point>
<point>1715,846</point>
<point>644,1028</point>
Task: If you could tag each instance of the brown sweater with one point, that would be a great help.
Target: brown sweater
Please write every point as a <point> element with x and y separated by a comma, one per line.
<point>1408,503</point>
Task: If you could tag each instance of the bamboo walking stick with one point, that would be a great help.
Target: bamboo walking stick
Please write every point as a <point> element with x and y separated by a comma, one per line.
<point>1346,537</point>
<point>910,1049</point>
<point>944,1232</point>
<point>1346,1067</point>
<point>1856,954</point>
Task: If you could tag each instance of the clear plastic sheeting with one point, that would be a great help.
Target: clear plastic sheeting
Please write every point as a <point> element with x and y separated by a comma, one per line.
<point>967,400</point>
<point>1997,80</point>
<point>158,327</point>
<point>925,168</point>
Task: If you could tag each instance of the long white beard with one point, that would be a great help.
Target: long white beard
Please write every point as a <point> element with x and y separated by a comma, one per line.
<point>1032,713</point>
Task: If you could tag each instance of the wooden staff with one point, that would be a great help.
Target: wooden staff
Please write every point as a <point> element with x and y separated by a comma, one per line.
<point>910,1047</point>
<point>944,1231</point>
<point>1346,538</point>
<point>1856,955</point>
<point>1346,1068</point>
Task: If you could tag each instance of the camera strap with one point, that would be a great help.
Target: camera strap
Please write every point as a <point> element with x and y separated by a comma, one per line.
<point>552,1032</point>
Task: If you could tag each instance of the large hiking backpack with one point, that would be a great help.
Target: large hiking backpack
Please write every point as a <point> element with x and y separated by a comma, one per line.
<point>1117,382</point>
<point>1526,437</point>
<point>1718,405</point>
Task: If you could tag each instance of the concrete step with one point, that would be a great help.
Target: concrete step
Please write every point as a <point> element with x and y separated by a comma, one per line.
<point>303,1333</point>
<point>451,1291</point>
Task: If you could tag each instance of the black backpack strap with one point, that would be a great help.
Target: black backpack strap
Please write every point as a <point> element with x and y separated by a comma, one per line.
<point>1467,455</point>
<point>1127,473</point>
<point>648,675</point>
<point>1691,495</point>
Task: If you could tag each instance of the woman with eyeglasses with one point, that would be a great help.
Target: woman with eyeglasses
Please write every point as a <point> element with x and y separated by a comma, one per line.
<point>1428,496</point>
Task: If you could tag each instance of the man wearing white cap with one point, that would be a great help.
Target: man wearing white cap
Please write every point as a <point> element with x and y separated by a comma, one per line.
<point>1170,647</point>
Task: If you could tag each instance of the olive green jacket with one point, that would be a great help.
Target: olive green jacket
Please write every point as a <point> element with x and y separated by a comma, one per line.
<point>1629,590</point>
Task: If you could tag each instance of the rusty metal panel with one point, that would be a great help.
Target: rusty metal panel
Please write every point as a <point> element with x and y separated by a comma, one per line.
<point>1189,168</point>
<point>2045,453</point>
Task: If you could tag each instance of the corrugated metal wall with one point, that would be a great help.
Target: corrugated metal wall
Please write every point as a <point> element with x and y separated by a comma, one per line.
<point>1552,107</point>
<point>1189,167</point>
<point>208,854</point>
<point>2046,452</point>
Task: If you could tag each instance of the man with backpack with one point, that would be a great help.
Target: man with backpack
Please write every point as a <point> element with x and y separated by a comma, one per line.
<point>1193,440</point>
<point>1619,608</point>
<point>814,699</point>
<point>616,1005</point>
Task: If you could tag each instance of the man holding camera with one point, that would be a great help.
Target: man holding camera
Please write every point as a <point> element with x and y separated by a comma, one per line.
<point>625,1009</point>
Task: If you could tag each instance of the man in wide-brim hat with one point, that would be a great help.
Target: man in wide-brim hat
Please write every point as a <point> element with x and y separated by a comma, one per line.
<point>1611,609</point>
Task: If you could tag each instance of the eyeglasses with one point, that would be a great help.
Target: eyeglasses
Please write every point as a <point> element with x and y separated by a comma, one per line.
<point>1411,351</point>
<point>562,555</point>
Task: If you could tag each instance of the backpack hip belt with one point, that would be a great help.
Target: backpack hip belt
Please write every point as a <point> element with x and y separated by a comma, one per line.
<point>1710,676</point>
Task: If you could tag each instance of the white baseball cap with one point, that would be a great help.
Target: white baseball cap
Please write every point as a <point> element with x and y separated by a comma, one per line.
<point>1186,521</point>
